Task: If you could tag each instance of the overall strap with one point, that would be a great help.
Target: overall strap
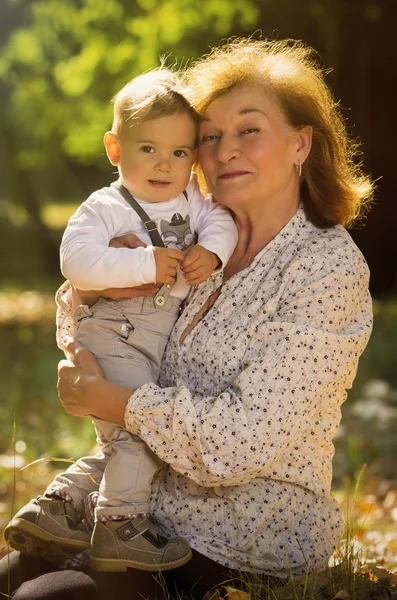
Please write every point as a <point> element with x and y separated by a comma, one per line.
<point>161,297</point>
<point>150,225</point>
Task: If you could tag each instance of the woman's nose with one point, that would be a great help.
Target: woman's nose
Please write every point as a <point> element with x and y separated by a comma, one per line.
<point>228,148</point>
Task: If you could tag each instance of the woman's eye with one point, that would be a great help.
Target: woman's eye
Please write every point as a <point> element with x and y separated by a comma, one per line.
<point>209,138</point>
<point>250,130</point>
<point>179,153</point>
<point>147,149</point>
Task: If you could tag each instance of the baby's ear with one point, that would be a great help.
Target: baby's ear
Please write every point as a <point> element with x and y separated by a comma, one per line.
<point>112,146</point>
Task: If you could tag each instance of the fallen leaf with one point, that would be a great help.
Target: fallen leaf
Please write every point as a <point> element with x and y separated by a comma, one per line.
<point>383,575</point>
<point>233,594</point>
<point>226,592</point>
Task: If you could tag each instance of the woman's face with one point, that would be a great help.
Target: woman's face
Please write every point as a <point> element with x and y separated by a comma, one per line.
<point>246,151</point>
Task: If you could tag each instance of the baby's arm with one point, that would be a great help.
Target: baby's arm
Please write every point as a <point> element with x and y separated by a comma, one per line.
<point>199,264</point>
<point>214,225</point>
<point>86,258</point>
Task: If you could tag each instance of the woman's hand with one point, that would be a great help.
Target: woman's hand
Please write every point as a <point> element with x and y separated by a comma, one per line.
<point>82,389</point>
<point>78,377</point>
<point>129,240</point>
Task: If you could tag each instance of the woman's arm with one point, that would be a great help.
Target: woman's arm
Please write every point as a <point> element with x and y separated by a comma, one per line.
<point>68,298</point>
<point>129,240</point>
<point>306,356</point>
<point>87,258</point>
<point>78,297</point>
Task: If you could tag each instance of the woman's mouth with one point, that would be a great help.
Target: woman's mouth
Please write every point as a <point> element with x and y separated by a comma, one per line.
<point>232,174</point>
<point>158,183</point>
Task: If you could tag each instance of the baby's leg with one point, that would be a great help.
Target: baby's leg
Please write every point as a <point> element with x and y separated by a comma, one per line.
<point>76,483</point>
<point>128,338</point>
<point>123,535</point>
<point>127,358</point>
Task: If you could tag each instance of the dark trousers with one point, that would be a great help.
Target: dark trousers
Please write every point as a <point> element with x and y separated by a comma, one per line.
<point>28,578</point>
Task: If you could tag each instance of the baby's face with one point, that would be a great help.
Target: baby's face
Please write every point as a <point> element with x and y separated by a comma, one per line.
<point>156,157</point>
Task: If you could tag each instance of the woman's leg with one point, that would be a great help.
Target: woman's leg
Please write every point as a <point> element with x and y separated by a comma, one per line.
<point>79,585</point>
<point>36,579</point>
<point>15,568</point>
<point>59,585</point>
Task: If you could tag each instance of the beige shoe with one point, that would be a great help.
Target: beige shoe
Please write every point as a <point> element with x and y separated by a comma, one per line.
<point>137,544</point>
<point>48,527</point>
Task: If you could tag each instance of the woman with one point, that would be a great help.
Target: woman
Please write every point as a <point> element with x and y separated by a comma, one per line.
<point>258,363</point>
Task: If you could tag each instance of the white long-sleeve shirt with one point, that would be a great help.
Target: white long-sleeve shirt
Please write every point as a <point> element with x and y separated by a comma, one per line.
<point>88,262</point>
<point>246,407</point>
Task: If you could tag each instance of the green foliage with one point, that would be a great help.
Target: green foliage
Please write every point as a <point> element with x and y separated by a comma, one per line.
<point>28,372</point>
<point>369,417</point>
<point>62,68</point>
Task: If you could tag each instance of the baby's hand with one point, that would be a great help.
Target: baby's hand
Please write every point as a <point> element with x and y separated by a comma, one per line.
<point>198,265</point>
<point>166,260</point>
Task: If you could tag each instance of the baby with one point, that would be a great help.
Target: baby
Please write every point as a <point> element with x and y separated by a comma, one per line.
<point>152,142</point>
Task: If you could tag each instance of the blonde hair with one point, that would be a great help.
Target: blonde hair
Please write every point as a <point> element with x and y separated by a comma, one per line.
<point>154,94</point>
<point>334,188</point>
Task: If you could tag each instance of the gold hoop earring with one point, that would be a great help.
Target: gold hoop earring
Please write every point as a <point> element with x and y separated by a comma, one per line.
<point>299,169</point>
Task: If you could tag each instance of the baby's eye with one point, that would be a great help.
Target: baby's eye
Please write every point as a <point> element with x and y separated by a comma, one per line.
<point>148,149</point>
<point>179,153</point>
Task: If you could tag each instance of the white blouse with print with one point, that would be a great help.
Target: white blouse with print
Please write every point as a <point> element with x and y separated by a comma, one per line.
<point>246,407</point>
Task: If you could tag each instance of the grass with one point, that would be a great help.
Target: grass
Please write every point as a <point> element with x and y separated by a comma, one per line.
<point>356,570</point>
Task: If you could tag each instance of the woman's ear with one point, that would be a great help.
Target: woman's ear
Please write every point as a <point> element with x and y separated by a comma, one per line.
<point>304,144</point>
<point>112,146</point>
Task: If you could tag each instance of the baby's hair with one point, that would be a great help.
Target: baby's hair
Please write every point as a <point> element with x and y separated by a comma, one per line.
<point>334,188</point>
<point>157,93</point>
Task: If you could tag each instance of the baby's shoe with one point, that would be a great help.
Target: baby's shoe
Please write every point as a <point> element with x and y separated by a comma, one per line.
<point>48,527</point>
<point>136,544</point>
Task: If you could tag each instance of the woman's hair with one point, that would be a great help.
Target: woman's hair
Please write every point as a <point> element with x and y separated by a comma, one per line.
<point>157,93</point>
<point>334,188</point>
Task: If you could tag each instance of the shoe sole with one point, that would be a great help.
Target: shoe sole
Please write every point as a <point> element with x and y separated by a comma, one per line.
<point>30,539</point>
<point>116,564</point>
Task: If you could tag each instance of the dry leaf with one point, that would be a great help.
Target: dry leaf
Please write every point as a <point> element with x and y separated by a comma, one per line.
<point>233,594</point>
<point>383,575</point>
<point>226,592</point>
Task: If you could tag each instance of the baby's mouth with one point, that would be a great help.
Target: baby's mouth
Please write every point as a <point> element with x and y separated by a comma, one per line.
<point>159,182</point>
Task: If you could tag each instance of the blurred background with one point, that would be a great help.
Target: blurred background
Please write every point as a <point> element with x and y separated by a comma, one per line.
<point>60,64</point>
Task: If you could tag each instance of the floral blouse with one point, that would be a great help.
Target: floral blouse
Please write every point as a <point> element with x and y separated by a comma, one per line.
<point>246,407</point>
